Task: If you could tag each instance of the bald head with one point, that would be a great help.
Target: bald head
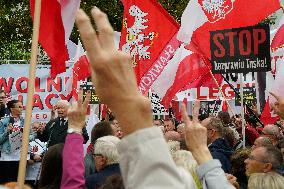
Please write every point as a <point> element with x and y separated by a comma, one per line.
<point>272,132</point>
<point>261,141</point>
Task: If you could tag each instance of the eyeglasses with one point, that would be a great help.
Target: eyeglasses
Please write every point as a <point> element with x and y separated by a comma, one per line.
<point>250,157</point>
<point>97,155</point>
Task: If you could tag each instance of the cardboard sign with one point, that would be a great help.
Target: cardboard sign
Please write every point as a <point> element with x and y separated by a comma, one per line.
<point>15,139</point>
<point>249,96</point>
<point>241,50</point>
<point>94,97</point>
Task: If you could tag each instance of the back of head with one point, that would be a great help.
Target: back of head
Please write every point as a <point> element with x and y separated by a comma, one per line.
<point>224,117</point>
<point>216,124</point>
<point>271,130</point>
<point>107,147</point>
<point>11,104</point>
<point>101,129</point>
<point>273,156</point>
<point>231,136</point>
<point>266,181</point>
<point>13,185</point>
<point>51,171</point>
<point>238,165</point>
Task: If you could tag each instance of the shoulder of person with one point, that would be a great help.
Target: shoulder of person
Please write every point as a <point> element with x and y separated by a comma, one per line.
<point>51,122</point>
<point>5,120</point>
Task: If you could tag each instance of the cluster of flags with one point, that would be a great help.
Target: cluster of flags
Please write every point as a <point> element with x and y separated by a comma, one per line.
<point>167,57</point>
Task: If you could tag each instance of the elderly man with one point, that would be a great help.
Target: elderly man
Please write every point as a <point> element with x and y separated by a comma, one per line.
<point>261,141</point>
<point>106,161</point>
<point>55,130</point>
<point>263,159</point>
<point>218,147</point>
<point>272,132</point>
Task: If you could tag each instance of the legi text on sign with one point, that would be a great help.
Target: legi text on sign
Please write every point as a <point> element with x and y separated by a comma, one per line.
<point>241,50</point>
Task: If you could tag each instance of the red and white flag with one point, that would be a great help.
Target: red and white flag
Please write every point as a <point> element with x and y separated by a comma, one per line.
<point>56,23</point>
<point>80,70</point>
<point>277,87</point>
<point>147,30</point>
<point>202,16</point>
<point>278,39</point>
<point>185,67</point>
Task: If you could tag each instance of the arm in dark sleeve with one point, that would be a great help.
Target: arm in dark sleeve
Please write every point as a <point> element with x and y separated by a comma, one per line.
<point>85,135</point>
<point>44,136</point>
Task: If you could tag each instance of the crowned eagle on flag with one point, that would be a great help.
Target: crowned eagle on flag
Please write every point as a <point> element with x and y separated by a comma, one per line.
<point>138,41</point>
<point>147,30</point>
<point>216,9</point>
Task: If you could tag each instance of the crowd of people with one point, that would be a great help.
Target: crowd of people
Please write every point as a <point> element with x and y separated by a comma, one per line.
<point>133,150</point>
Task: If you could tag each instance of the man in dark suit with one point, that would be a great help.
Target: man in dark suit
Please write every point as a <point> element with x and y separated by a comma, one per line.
<point>55,130</point>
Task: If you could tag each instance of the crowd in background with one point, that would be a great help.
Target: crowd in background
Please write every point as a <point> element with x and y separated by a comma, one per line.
<point>126,151</point>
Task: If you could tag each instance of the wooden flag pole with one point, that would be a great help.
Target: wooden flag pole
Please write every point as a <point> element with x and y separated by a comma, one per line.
<point>31,86</point>
<point>243,111</point>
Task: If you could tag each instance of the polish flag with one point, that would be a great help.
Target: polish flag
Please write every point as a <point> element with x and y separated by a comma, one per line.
<point>185,67</point>
<point>278,39</point>
<point>202,16</point>
<point>56,23</point>
<point>80,70</point>
<point>147,30</point>
<point>277,87</point>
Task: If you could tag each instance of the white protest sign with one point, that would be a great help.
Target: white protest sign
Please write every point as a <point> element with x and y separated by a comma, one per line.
<point>15,139</point>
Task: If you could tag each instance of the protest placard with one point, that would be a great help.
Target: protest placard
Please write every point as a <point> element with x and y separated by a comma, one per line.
<point>241,50</point>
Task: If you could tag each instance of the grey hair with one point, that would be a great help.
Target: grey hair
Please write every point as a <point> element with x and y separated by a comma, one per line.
<point>107,147</point>
<point>269,180</point>
<point>65,102</point>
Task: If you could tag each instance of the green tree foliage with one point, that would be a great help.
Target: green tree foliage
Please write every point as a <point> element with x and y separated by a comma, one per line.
<point>16,23</point>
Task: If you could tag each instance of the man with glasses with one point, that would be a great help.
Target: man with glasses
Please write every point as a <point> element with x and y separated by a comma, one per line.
<point>3,109</point>
<point>263,159</point>
<point>106,161</point>
<point>217,145</point>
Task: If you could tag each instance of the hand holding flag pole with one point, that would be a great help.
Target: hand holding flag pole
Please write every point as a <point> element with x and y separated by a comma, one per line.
<point>31,86</point>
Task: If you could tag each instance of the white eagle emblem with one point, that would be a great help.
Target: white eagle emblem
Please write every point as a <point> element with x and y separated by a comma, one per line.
<point>137,42</point>
<point>216,9</point>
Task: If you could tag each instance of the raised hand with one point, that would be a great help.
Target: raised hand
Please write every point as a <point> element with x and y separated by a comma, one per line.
<point>112,73</point>
<point>77,112</point>
<point>278,106</point>
<point>196,135</point>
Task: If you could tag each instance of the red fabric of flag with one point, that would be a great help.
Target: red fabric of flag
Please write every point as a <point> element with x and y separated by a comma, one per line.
<point>52,34</point>
<point>81,71</point>
<point>243,13</point>
<point>147,29</point>
<point>190,68</point>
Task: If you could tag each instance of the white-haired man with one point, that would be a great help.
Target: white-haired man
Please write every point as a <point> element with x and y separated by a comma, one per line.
<point>55,130</point>
<point>106,161</point>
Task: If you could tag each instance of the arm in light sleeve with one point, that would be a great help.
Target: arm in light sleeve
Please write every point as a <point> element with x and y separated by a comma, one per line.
<point>212,176</point>
<point>145,161</point>
<point>73,163</point>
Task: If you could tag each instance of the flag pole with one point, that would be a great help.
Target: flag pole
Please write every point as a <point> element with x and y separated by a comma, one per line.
<point>31,86</point>
<point>243,110</point>
<point>220,90</point>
